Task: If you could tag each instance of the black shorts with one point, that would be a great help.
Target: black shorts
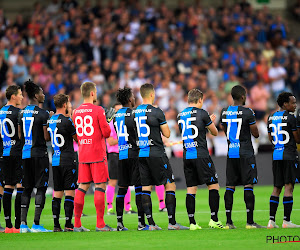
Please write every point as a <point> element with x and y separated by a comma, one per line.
<point>155,171</point>
<point>36,172</point>
<point>113,161</point>
<point>285,172</point>
<point>128,173</point>
<point>200,171</point>
<point>12,170</point>
<point>65,177</point>
<point>241,171</point>
<point>1,173</point>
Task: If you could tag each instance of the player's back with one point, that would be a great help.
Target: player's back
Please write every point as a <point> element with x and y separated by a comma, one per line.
<point>9,131</point>
<point>61,130</point>
<point>236,121</point>
<point>32,119</point>
<point>91,129</point>
<point>148,120</point>
<point>125,127</point>
<point>192,125</point>
<point>281,125</point>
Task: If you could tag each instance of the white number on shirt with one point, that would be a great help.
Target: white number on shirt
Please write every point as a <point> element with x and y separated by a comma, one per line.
<point>85,124</point>
<point>139,125</point>
<point>277,130</point>
<point>187,125</point>
<point>26,120</point>
<point>239,123</point>
<point>55,136</point>
<point>119,130</point>
<point>4,130</point>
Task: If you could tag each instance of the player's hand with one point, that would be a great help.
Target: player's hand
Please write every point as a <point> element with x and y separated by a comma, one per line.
<point>51,113</point>
<point>213,117</point>
<point>110,113</point>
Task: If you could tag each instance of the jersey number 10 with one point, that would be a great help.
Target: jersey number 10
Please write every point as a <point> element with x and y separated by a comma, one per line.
<point>3,128</point>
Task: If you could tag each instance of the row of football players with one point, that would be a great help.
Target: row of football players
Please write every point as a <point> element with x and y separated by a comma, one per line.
<point>142,164</point>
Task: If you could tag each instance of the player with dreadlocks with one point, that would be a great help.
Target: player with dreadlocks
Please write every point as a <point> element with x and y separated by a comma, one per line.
<point>33,133</point>
<point>128,172</point>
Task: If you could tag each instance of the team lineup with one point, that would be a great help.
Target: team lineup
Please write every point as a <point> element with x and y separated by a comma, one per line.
<point>139,157</point>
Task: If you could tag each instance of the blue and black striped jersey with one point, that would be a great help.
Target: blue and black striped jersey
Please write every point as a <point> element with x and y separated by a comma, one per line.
<point>9,131</point>
<point>32,119</point>
<point>61,130</point>
<point>192,125</point>
<point>281,125</point>
<point>236,121</point>
<point>147,125</point>
<point>125,128</point>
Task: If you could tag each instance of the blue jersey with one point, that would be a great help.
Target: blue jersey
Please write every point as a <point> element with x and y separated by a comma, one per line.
<point>281,125</point>
<point>192,125</point>
<point>61,130</point>
<point>236,121</point>
<point>32,121</point>
<point>124,125</point>
<point>9,131</point>
<point>148,120</point>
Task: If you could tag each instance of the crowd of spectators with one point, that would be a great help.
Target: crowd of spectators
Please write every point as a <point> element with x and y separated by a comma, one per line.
<point>62,44</point>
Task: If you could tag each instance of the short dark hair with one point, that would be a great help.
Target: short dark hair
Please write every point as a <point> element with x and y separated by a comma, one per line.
<point>86,89</point>
<point>146,89</point>
<point>237,92</point>
<point>31,89</point>
<point>11,90</point>
<point>194,95</point>
<point>283,97</point>
<point>60,100</point>
<point>123,95</point>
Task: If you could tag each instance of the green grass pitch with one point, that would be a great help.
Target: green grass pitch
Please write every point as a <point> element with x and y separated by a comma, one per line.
<point>206,238</point>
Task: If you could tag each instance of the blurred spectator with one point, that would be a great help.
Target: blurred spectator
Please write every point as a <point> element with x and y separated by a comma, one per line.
<point>277,76</point>
<point>20,71</point>
<point>259,97</point>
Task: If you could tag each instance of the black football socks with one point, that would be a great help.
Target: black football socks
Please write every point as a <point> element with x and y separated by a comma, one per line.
<point>190,202</point>
<point>249,199</point>
<point>274,202</point>
<point>171,206</point>
<point>214,201</point>
<point>228,199</point>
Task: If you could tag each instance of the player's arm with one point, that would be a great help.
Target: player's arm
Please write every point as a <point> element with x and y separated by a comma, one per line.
<point>254,130</point>
<point>46,132</point>
<point>112,139</point>
<point>296,136</point>
<point>72,129</point>
<point>75,137</point>
<point>165,130</point>
<point>270,138</point>
<point>293,125</point>
<point>252,123</point>
<point>104,127</point>
<point>212,129</point>
<point>164,127</point>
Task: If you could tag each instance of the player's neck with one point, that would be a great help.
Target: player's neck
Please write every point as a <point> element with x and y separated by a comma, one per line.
<point>60,112</point>
<point>237,103</point>
<point>147,101</point>
<point>33,102</point>
<point>11,103</point>
<point>89,100</point>
<point>194,105</point>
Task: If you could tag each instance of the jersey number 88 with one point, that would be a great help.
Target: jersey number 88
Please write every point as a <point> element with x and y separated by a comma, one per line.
<point>84,126</point>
